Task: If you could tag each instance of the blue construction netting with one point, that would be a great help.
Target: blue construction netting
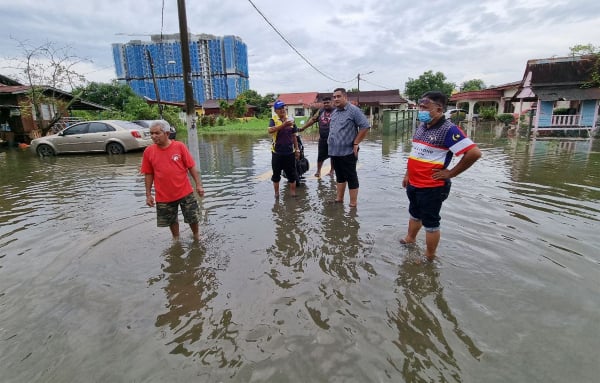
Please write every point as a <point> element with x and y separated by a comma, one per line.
<point>219,67</point>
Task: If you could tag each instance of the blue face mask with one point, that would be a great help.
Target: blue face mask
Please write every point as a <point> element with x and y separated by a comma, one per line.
<point>424,116</point>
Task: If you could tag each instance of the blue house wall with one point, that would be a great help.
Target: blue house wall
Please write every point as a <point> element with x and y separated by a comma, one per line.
<point>545,114</point>
<point>588,112</point>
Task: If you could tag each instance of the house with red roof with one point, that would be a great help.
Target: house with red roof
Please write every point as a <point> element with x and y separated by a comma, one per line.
<point>497,97</point>
<point>373,102</point>
<point>299,104</point>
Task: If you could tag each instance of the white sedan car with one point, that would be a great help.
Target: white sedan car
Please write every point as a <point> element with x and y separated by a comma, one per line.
<point>459,114</point>
<point>110,136</point>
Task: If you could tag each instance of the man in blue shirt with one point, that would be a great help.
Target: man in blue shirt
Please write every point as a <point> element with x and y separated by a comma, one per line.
<point>347,128</point>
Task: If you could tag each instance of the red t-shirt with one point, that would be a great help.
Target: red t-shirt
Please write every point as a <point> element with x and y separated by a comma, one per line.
<point>170,169</point>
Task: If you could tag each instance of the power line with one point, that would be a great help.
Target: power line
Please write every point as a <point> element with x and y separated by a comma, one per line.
<point>372,83</point>
<point>98,70</point>
<point>296,50</point>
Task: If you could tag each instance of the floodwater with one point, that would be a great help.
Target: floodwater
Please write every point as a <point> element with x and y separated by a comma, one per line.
<point>299,290</point>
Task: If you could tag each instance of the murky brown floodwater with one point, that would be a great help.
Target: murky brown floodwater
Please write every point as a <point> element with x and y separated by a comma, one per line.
<point>300,290</point>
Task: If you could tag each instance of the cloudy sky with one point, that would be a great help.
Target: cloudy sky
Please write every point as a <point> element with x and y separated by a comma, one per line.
<point>395,39</point>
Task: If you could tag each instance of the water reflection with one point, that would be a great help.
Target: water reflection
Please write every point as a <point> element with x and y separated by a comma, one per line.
<point>423,318</point>
<point>342,247</point>
<point>299,289</point>
<point>198,329</point>
<point>325,233</point>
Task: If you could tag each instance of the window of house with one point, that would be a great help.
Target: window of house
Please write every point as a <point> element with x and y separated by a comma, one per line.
<point>47,111</point>
<point>298,112</point>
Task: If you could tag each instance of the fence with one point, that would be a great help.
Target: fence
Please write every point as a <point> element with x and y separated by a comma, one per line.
<point>399,121</point>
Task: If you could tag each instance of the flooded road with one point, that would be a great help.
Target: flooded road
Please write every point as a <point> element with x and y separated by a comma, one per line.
<point>299,290</point>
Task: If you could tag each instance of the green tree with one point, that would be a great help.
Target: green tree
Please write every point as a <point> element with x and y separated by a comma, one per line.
<point>426,82</point>
<point>584,49</point>
<point>240,106</point>
<point>124,104</point>
<point>256,100</point>
<point>594,52</point>
<point>112,95</point>
<point>226,109</point>
<point>474,84</point>
<point>260,103</point>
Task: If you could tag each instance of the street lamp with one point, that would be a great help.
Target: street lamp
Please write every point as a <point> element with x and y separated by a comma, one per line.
<point>358,87</point>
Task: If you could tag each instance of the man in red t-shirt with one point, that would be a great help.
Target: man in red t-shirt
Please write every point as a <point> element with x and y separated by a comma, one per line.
<point>166,164</point>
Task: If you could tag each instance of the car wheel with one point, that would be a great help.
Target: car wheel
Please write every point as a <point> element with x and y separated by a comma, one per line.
<point>45,151</point>
<point>115,148</point>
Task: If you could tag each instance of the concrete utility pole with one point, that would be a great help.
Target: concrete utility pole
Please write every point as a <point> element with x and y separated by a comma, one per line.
<point>190,104</point>
<point>160,108</point>
<point>358,88</point>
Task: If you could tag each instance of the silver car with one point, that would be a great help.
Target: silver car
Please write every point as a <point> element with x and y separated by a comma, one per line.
<point>110,136</point>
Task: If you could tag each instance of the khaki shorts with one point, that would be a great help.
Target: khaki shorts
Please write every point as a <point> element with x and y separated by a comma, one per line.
<point>166,212</point>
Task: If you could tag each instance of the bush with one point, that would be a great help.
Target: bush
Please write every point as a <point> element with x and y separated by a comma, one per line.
<point>561,111</point>
<point>487,113</point>
<point>506,118</point>
<point>204,120</point>
<point>220,121</point>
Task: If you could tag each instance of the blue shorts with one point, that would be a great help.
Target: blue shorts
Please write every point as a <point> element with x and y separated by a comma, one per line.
<point>426,203</point>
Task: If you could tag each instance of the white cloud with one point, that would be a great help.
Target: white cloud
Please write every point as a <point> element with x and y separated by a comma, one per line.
<point>398,40</point>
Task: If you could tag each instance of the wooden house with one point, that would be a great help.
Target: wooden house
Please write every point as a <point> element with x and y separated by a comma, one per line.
<point>565,94</point>
<point>17,126</point>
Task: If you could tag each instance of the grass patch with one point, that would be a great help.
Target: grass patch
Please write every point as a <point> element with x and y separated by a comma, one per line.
<point>241,125</point>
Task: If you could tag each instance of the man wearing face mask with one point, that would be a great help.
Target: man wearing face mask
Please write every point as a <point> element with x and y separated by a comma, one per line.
<point>427,178</point>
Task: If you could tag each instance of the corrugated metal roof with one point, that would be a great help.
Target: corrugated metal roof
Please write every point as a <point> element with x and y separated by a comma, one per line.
<point>485,94</point>
<point>14,89</point>
<point>77,105</point>
<point>557,71</point>
<point>557,78</point>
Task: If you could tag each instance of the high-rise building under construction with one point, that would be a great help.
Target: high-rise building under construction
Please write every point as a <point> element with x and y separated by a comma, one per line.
<point>219,67</point>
